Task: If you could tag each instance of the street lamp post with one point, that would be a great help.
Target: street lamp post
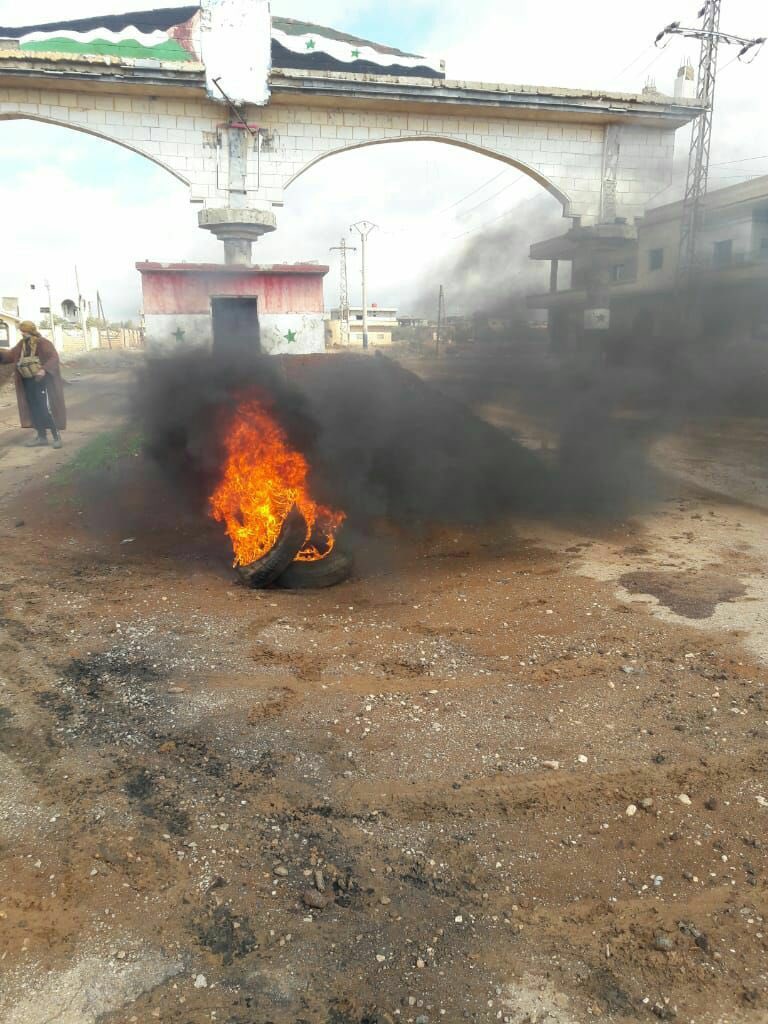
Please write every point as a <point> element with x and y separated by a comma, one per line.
<point>364,228</point>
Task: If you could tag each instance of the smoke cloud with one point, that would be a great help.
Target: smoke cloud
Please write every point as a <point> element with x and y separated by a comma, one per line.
<point>381,443</point>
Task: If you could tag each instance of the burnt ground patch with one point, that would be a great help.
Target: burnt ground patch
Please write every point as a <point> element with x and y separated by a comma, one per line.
<point>224,934</point>
<point>691,594</point>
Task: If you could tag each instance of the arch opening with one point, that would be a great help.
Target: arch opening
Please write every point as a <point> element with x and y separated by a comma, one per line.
<point>526,169</point>
<point>83,130</point>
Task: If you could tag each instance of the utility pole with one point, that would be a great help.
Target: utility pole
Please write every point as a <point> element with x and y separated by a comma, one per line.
<point>81,311</point>
<point>50,311</point>
<point>440,318</point>
<point>364,228</point>
<point>103,322</point>
<point>710,37</point>
<point>342,248</point>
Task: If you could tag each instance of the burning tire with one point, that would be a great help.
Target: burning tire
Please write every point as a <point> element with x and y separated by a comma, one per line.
<point>327,572</point>
<point>266,570</point>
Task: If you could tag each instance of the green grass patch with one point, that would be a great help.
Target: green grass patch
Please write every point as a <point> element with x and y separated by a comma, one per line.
<point>100,455</point>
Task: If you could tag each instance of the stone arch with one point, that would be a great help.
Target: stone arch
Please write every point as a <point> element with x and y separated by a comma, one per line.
<point>87,130</point>
<point>532,172</point>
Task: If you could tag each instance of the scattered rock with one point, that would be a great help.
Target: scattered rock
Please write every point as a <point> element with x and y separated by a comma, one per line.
<point>319,880</point>
<point>582,759</point>
<point>684,799</point>
<point>552,765</point>
<point>314,899</point>
<point>631,811</point>
<point>711,804</point>
<point>201,981</point>
<point>176,689</point>
<point>647,803</point>
<point>281,870</point>
<point>663,943</point>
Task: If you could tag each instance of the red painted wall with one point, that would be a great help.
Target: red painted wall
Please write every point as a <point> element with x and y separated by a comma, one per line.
<point>188,288</point>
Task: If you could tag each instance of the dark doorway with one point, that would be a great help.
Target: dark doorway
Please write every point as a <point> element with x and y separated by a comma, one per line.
<point>235,326</point>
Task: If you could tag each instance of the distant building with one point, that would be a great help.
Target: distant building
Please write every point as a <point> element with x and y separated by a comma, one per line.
<point>382,321</point>
<point>413,321</point>
<point>622,278</point>
<point>9,325</point>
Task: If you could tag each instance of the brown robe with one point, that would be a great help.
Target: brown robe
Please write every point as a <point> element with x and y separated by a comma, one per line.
<point>49,359</point>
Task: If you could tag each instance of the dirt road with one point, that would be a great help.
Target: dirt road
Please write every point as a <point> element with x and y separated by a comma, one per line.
<point>516,774</point>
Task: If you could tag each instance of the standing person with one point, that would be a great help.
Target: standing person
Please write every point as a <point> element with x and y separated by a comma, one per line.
<point>39,388</point>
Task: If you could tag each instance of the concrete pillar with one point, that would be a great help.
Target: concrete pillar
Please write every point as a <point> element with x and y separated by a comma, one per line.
<point>238,229</point>
<point>554,266</point>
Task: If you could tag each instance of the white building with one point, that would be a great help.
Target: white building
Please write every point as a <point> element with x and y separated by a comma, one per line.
<point>382,321</point>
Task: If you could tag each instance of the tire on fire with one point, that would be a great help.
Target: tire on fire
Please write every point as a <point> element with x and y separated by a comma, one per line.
<point>327,572</point>
<point>266,570</point>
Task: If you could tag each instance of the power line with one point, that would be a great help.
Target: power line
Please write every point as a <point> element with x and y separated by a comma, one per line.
<point>466,213</point>
<point>475,191</point>
<point>633,62</point>
<point>475,230</point>
<point>744,160</point>
<point>654,61</point>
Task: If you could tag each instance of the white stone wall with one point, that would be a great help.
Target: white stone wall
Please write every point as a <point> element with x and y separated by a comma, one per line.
<point>186,137</point>
<point>178,134</point>
<point>568,160</point>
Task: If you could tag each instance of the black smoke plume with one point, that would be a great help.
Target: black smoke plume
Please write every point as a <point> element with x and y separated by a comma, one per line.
<point>380,442</point>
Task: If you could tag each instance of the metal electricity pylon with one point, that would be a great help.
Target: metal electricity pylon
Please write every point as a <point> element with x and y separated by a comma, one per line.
<point>342,248</point>
<point>701,138</point>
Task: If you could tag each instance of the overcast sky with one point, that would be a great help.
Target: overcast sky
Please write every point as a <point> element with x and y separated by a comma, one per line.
<point>75,200</point>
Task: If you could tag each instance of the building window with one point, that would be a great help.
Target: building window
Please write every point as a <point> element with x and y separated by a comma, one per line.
<point>655,259</point>
<point>5,340</point>
<point>619,272</point>
<point>723,253</point>
<point>763,249</point>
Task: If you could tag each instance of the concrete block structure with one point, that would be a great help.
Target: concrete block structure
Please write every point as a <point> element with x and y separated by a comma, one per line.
<point>273,309</point>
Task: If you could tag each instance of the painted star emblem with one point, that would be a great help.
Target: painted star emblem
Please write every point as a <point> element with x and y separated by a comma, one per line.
<point>355,53</point>
<point>178,334</point>
<point>290,337</point>
<point>311,44</point>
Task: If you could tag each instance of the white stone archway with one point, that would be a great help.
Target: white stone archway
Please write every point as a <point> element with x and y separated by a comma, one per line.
<point>84,130</point>
<point>156,83</point>
<point>531,172</point>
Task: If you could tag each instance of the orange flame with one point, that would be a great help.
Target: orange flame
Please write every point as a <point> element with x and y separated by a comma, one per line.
<point>263,478</point>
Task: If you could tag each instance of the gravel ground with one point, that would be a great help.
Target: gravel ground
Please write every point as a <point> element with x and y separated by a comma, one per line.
<point>514,774</point>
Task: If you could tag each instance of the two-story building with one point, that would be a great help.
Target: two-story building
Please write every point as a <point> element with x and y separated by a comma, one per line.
<point>624,284</point>
<point>382,321</point>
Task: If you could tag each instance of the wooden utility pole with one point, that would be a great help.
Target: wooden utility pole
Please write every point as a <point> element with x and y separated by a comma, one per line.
<point>103,322</point>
